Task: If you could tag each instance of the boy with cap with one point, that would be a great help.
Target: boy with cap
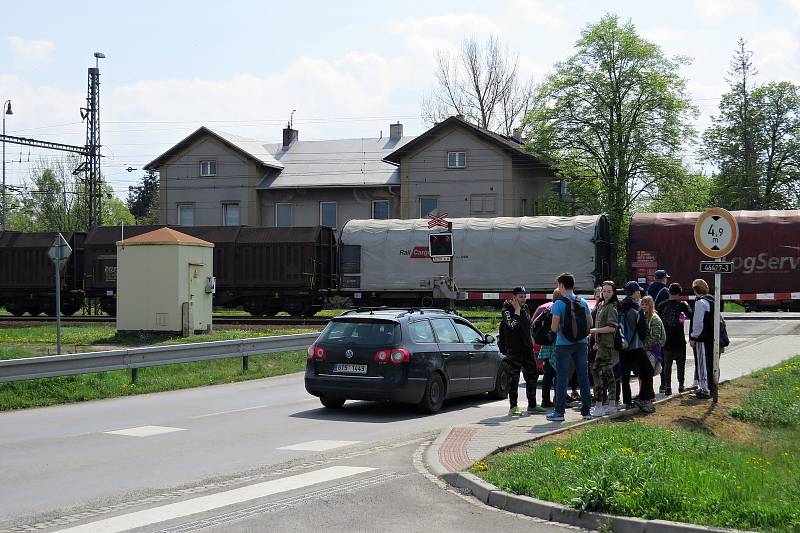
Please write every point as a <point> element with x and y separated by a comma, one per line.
<point>658,289</point>
<point>516,329</point>
<point>634,356</point>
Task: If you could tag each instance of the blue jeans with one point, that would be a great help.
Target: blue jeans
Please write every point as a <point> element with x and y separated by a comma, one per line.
<point>578,354</point>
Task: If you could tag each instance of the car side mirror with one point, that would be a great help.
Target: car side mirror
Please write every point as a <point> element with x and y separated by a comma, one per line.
<point>489,339</point>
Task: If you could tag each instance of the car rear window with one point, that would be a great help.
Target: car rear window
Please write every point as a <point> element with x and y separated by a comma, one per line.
<point>367,332</point>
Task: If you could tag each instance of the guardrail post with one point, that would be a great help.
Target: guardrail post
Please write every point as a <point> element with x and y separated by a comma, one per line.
<point>245,363</point>
<point>134,375</point>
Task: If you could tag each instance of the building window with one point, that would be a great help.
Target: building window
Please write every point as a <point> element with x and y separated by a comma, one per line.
<point>483,204</point>
<point>208,168</point>
<point>456,159</point>
<point>230,215</point>
<point>327,214</point>
<point>186,214</point>
<point>283,215</point>
<point>427,206</point>
<point>380,209</point>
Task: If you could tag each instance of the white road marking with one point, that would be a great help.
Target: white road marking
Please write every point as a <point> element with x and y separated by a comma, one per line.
<point>231,411</point>
<point>215,501</point>
<point>144,431</point>
<point>319,445</point>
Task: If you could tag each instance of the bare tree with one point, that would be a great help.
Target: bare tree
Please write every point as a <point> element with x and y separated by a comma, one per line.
<point>480,82</point>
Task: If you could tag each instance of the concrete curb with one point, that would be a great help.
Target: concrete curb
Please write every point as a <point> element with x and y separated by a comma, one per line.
<point>553,512</point>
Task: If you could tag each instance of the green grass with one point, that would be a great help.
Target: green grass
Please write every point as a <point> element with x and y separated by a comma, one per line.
<point>40,340</point>
<point>634,469</point>
<point>52,391</point>
<point>775,401</point>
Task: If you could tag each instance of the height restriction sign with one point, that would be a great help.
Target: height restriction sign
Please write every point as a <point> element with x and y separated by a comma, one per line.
<point>716,232</point>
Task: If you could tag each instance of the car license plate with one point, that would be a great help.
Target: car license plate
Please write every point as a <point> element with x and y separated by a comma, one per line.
<point>347,368</point>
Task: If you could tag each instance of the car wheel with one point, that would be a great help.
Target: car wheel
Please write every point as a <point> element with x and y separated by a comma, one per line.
<point>332,402</point>
<point>434,395</point>
<point>502,384</point>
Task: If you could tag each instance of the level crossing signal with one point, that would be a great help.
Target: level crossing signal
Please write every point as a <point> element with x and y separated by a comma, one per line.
<point>441,245</point>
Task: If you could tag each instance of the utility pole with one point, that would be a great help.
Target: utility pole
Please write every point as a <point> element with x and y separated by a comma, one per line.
<point>6,111</point>
<point>91,113</point>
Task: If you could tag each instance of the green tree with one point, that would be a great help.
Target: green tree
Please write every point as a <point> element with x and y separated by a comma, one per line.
<point>754,141</point>
<point>142,198</point>
<point>691,192</point>
<point>614,115</point>
<point>53,199</point>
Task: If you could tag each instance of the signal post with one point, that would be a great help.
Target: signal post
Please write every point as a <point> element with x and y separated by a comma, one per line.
<point>440,250</point>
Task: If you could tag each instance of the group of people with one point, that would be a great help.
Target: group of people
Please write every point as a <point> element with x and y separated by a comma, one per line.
<point>597,349</point>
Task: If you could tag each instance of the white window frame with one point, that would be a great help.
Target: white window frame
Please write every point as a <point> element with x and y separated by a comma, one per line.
<point>335,216</point>
<point>421,198</point>
<point>225,207</point>
<point>185,206</point>
<point>291,214</point>
<point>388,209</point>
<point>460,159</point>
<point>208,162</point>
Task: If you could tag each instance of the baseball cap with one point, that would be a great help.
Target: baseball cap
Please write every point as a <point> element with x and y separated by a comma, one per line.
<point>631,287</point>
<point>519,290</point>
<point>661,273</point>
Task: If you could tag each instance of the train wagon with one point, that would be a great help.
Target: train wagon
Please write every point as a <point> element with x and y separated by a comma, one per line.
<point>388,262</point>
<point>766,260</point>
<point>264,270</point>
<point>27,275</point>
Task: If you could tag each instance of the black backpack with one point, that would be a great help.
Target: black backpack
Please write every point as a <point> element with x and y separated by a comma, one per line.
<point>575,326</point>
<point>641,325</point>
<point>542,332</point>
<point>501,340</point>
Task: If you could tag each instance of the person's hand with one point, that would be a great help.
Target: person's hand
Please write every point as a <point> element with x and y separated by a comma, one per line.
<point>517,307</point>
<point>692,344</point>
<point>593,330</point>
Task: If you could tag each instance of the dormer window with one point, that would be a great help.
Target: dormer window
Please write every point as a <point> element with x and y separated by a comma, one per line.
<point>456,159</point>
<point>208,168</point>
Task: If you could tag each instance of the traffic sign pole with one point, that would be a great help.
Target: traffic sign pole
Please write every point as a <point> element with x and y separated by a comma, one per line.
<point>716,234</point>
<point>57,268</point>
<point>717,306</point>
<point>452,278</point>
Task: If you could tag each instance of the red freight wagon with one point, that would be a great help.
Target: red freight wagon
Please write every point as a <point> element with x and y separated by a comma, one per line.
<point>766,260</point>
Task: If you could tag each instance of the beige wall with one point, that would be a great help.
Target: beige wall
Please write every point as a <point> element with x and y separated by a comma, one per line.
<point>424,173</point>
<point>153,282</point>
<point>235,182</point>
<point>351,203</point>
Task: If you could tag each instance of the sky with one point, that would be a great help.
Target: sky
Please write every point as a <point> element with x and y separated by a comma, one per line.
<point>349,69</point>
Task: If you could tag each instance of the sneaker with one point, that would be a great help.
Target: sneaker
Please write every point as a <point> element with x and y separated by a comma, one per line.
<point>597,412</point>
<point>668,392</point>
<point>554,417</point>
<point>535,409</point>
<point>681,389</point>
<point>514,411</point>
<point>702,395</point>
<point>648,407</point>
<point>662,389</point>
<point>589,417</point>
<point>639,403</point>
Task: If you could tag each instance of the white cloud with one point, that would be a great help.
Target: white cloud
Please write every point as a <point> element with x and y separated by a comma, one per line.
<point>537,14</point>
<point>36,51</point>
<point>775,54</point>
<point>719,10</point>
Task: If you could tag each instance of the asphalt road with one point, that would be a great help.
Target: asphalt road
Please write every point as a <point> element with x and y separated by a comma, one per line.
<point>255,456</point>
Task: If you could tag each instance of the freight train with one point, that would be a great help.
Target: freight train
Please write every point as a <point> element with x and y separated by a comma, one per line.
<point>386,262</point>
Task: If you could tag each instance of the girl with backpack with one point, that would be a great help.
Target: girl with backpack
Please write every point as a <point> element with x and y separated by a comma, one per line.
<point>546,353</point>
<point>655,339</point>
<point>603,334</point>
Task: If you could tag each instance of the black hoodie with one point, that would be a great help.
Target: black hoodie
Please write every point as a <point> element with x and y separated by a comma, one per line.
<point>516,329</point>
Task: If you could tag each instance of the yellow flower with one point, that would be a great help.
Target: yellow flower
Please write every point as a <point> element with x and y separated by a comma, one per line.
<point>480,465</point>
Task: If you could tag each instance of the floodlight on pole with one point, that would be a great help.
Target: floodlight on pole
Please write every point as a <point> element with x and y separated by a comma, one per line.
<point>6,111</point>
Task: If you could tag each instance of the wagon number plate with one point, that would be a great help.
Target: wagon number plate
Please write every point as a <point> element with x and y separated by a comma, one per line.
<point>349,368</point>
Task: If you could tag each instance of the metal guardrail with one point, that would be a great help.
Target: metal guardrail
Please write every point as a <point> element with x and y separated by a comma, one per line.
<point>135,358</point>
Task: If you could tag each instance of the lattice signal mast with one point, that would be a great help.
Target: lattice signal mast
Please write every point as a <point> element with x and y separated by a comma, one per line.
<point>91,113</point>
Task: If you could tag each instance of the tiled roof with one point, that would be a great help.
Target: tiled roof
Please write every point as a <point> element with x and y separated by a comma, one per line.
<point>336,163</point>
<point>165,236</point>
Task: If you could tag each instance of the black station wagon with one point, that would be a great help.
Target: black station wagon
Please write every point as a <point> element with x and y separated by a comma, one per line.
<point>418,356</point>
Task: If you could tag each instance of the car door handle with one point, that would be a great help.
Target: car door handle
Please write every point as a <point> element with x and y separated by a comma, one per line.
<point>446,354</point>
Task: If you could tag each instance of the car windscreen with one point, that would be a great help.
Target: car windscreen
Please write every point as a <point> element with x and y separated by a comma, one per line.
<point>362,332</point>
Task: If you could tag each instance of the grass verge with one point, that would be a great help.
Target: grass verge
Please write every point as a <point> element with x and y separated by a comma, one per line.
<point>68,389</point>
<point>742,472</point>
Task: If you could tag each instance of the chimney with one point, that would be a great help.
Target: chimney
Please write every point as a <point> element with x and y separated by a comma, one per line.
<point>517,135</point>
<point>289,136</point>
<point>395,131</point>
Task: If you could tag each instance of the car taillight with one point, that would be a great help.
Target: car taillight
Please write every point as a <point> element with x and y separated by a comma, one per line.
<point>394,356</point>
<point>316,352</point>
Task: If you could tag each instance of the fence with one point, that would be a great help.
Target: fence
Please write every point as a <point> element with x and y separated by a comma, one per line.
<point>135,358</point>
